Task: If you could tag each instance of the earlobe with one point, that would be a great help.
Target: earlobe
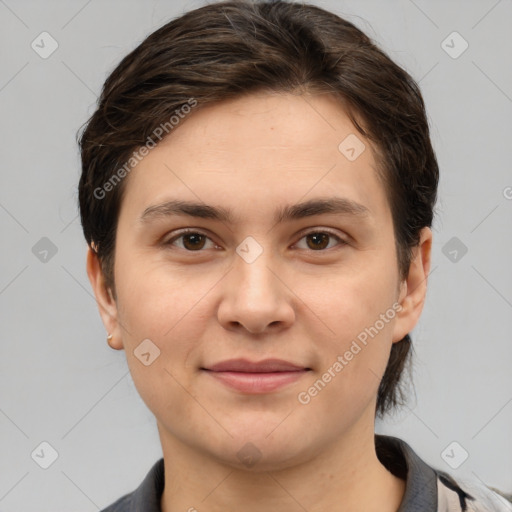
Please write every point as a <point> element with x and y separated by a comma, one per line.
<point>106,303</point>
<point>414,289</point>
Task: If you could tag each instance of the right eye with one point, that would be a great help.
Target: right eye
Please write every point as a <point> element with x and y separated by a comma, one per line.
<point>192,241</point>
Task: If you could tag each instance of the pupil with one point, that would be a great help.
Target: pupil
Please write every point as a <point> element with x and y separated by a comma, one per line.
<point>321,240</point>
<point>193,241</point>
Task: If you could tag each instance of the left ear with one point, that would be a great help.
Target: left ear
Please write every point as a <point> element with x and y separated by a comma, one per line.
<point>414,288</point>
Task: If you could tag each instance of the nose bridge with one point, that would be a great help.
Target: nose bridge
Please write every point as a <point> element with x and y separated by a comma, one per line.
<point>254,298</point>
<point>252,271</point>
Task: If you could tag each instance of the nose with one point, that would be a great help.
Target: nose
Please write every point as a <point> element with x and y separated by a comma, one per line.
<point>255,298</point>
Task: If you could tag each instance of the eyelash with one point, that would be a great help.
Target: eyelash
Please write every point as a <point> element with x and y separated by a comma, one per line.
<point>189,231</point>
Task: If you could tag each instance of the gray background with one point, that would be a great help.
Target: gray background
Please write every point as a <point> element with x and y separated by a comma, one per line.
<point>59,380</point>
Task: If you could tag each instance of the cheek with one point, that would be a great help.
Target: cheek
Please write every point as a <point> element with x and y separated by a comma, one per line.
<point>157,298</point>
<point>168,312</point>
<point>350,302</point>
<point>354,359</point>
<point>360,311</point>
<point>152,306</point>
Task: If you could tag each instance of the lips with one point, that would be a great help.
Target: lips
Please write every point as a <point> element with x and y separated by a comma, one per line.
<point>265,366</point>
<point>256,377</point>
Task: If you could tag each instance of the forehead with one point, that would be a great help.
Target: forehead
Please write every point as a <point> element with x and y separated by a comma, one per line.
<point>259,152</point>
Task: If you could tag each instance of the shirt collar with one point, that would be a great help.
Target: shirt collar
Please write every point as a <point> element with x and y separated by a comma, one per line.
<point>395,454</point>
<point>420,479</point>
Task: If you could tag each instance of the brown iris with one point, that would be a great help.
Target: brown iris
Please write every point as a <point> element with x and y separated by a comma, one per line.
<point>320,240</point>
<point>193,241</point>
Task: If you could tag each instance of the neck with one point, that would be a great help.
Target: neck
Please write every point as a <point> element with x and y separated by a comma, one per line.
<point>345,477</point>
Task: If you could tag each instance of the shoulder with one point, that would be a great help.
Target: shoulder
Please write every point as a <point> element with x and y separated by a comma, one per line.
<point>121,505</point>
<point>146,497</point>
<point>469,495</point>
<point>428,488</point>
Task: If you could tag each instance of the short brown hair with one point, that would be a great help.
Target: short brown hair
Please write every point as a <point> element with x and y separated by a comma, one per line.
<point>228,49</point>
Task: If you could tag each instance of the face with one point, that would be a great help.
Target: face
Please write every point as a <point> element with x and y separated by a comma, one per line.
<point>249,235</point>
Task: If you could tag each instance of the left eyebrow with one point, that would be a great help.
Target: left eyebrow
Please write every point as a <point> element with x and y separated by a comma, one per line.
<point>331,205</point>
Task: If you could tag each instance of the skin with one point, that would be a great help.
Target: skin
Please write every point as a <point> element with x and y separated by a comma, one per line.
<point>295,302</point>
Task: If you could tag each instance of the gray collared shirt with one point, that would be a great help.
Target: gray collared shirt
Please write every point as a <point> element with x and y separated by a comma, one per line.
<point>426,490</point>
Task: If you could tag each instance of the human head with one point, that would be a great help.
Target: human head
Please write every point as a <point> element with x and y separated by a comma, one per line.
<point>226,50</point>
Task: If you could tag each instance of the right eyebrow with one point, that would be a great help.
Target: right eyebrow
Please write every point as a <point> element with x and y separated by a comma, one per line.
<point>191,209</point>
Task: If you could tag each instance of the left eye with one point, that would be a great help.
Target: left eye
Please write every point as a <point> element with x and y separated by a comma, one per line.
<point>319,240</point>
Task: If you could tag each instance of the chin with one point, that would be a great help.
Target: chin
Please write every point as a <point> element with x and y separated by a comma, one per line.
<point>267,457</point>
<point>268,449</point>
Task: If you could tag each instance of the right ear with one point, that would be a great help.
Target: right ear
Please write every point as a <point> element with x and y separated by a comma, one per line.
<point>106,303</point>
